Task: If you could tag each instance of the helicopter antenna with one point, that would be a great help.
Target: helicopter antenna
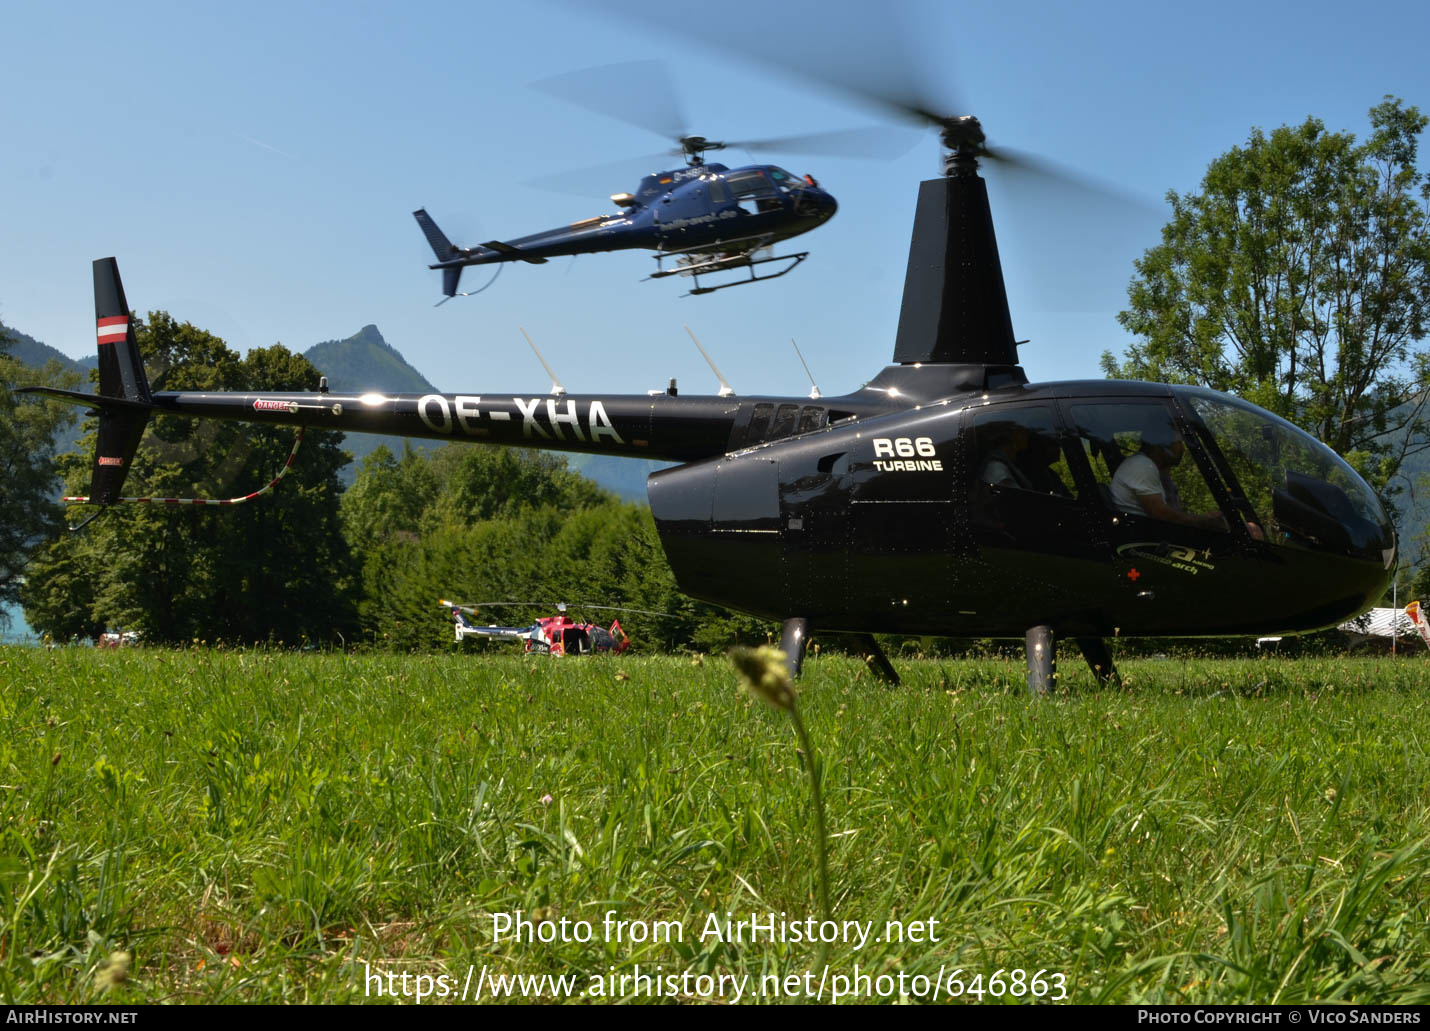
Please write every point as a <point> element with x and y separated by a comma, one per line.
<point>814,393</point>
<point>725,389</point>
<point>556,387</point>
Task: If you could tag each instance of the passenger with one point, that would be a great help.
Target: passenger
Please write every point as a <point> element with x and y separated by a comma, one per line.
<point>1143,485</point>
<point>1002,466</point>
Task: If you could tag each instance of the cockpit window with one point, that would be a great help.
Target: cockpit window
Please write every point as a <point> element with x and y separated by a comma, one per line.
<point>753,192</point>
<point>749,184</point>
<point>1142,465</point>
<point>787,181</point>
<point>1305,493</point>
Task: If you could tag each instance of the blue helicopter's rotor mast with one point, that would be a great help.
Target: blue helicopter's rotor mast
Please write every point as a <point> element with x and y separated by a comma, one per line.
<point>694,148</point>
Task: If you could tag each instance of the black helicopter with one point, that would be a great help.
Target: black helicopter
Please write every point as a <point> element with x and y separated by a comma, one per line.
<point>948,496</point>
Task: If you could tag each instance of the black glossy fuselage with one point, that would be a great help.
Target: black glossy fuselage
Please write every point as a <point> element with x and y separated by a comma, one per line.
<point>865,512</point>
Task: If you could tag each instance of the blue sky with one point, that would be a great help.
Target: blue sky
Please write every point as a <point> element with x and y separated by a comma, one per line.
<point>254,167</point>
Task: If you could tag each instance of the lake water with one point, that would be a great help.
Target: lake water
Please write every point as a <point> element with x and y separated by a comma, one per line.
<point>16,632</point>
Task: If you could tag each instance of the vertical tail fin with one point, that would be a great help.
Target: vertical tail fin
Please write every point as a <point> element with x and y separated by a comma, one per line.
<point>441,246</point>
<point>121,377</point>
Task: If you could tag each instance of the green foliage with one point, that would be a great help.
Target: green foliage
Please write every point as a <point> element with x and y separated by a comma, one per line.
<point>477,524</point>
<point>475,484</point>
<point>1420,586</point>
<point>1299,279</point>
<point>275,569</point>
<point>28,427</point>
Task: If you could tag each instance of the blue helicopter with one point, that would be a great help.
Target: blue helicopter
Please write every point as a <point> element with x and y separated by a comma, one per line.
<point>702,219</point>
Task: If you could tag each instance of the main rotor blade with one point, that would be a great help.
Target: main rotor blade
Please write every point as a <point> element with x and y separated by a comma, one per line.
<point>863,53</point>
<point>607,178</point>
<point>623,608</point>
<point>1042,173</point>
<point>875,143</point>
<point>874,55</point>
<point>639,93</point>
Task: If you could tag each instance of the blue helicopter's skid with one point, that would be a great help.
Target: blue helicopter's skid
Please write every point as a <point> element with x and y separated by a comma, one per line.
<point>749,263</point>
<point>717,262</point>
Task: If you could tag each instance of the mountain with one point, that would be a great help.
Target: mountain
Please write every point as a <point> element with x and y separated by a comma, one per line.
<point>365,361</point>
<point>29,351</point>
<point>1414,504</point>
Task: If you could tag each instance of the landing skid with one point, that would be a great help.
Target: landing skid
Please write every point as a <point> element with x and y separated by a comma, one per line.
<point>719,264</point>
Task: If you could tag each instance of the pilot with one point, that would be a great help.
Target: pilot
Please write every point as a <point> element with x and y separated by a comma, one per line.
<point>1143,484</point>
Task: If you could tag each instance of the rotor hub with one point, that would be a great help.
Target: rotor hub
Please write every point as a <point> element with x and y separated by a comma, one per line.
<point>695,147</point>
<point>964,138</point>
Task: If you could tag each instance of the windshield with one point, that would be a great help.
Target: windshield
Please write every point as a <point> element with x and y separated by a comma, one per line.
<point>1298,488</point>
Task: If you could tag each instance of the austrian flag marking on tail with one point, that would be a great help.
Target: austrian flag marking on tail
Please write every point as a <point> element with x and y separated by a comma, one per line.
<point>114,329</point>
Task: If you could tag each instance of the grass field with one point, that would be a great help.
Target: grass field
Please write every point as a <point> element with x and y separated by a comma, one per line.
<point>212,826</point>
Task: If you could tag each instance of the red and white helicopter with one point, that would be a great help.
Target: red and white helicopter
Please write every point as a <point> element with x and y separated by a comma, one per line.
<point>548,635</point>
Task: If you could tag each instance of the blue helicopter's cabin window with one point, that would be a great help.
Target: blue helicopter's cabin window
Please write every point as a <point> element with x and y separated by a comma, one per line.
<point>718,193</point>
<point>1143,467</point>
<point>753,192</point>
<point>749,184</point>
<point>786,181</point>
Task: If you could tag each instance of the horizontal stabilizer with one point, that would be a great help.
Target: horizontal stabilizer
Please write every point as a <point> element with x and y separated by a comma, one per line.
<point>507,250</point>
<point>79,397</point>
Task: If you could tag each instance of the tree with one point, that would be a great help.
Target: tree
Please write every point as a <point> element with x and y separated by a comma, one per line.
<point>1299,279</point>
<point>28,512</point>
<point>462,519</point>
<point>479,523</point>
<point>275,569</point>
